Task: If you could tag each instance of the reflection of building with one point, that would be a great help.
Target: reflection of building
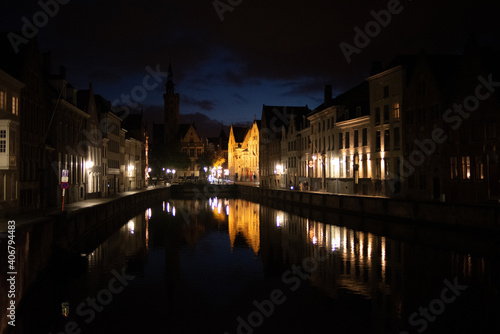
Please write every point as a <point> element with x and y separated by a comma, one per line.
<point>347,261</point>
<point>243,151</point>
<point>244,220</point>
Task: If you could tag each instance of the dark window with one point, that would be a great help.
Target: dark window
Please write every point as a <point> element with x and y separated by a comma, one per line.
<point>347,143</point>
<point>386,114</point>
<point>396,138</point>
<point>377,116</point>
<point>377,141</point>
<point>409,117</point>
<point>421,88</point>
<point>386,92</point>
<point>411,181</point>
<point>365,137</point>
<point>423,181</point>
<point>387,140</point>
<point>355,144</point>
<point>421,115</point>
<point>341,141</point>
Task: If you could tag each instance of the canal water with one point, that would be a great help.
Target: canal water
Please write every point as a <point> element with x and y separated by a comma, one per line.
<point>234,266</point>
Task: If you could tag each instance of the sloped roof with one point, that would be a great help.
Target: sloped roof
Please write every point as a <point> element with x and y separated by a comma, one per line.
<point>357,96</point>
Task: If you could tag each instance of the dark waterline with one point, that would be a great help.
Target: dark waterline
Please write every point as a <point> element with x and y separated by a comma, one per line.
<point>233,266</point>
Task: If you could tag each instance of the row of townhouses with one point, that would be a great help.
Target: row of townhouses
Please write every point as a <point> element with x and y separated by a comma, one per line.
<point>424,127</point>
<point>51,134</point>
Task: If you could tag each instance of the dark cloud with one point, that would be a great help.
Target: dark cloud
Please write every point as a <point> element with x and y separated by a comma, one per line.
<point>239,99</point>
<point>201,104</point>
<point>109,42</point>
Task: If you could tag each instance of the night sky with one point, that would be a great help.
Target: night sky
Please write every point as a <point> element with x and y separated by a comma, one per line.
<point>272,52</point>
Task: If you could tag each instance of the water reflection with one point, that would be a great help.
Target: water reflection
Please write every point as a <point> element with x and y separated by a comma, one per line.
<point>200,265</point>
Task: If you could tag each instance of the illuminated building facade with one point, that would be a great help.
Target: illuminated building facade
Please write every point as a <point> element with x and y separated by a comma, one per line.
<point>243,153</point>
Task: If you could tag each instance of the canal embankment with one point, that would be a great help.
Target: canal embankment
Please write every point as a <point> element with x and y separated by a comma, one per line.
<point>38,240</point>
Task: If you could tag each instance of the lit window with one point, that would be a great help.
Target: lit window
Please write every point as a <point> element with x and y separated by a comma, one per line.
<point>479,168</point>
<point>2,99</point>
<point>453,168</point>
<point>15,105</point>
<point>466,168</point>
<point>396,111</point>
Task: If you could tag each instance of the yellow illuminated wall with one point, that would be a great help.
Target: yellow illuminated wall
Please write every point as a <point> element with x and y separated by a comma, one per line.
<point>244,219</point>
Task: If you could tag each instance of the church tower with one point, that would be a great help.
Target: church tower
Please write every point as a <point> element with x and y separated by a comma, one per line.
<point>171,109</point>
